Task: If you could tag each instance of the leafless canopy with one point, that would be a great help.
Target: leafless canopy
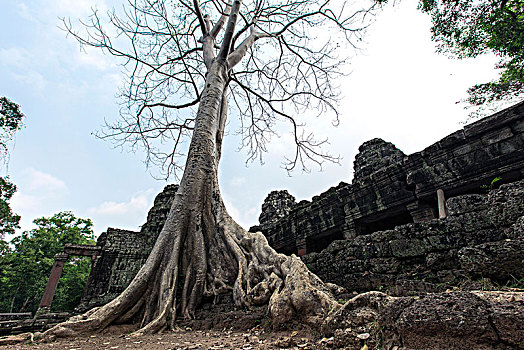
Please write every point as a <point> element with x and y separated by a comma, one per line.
<point>284,58</point>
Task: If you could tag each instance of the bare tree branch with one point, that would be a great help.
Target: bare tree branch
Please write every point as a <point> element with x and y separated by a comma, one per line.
<point>287,65</point>
<point>201,20</point>
<point>230,29</point>
<point>220,24</point>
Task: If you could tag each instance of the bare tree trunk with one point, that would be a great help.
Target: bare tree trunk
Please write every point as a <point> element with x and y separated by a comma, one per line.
<point>25,304</point>
<point>201,251</point>
<point>13,300</point>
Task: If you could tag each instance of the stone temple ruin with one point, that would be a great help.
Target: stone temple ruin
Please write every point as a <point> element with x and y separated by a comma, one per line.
<point>391,228</point>
<point>385,225</point>
<point>390,189</point>
<point>384,219</point>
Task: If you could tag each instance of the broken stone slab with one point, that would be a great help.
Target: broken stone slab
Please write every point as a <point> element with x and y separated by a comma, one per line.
<point>15,316</point>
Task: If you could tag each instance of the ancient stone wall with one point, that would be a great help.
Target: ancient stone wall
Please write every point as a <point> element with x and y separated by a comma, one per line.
<point>481,240</point>
<point>123,253</point>
<point>471,157</point>
<point>391,189</point>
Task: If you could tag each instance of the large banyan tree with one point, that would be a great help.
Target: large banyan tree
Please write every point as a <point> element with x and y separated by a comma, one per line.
<point>275,60</point>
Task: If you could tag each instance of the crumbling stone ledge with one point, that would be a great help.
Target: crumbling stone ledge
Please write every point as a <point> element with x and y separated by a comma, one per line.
<point>453,320</point>
<point>479,245</point>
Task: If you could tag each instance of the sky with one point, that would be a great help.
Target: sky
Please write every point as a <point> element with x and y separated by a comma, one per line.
<point>398,89</point>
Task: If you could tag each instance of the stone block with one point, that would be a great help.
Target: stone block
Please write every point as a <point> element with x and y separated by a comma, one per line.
<point>501,261</point>
<point>466,204</point>
<point>518,126</point>
<point>403,248</point>
<point>452,140</point>
<point>496,136</point>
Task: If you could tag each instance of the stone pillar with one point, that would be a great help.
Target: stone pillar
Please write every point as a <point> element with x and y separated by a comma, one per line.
<point>442,210</point>
<point>349,230</point>
<point>301,247</point>
<point>49,292</point>
<point>421,211</point>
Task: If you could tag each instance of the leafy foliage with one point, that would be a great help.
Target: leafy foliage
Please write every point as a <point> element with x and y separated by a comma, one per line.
<point>10,121</point>
<point>25,269</point>
<point>466,28</point>
<point>492,185</point>
<point>8,220</point>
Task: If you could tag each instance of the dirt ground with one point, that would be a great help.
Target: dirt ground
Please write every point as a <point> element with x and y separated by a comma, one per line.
<point>119,338</point>
<point>218,327</point>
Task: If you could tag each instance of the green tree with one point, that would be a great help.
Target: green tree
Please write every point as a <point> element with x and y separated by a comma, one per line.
<point>10,122</point>
<point>8,220</point>
<point>466,28</point>
<point>24,270</point>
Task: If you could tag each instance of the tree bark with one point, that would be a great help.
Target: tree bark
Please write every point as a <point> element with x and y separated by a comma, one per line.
<point>201,251</point>
<point>13,299</point>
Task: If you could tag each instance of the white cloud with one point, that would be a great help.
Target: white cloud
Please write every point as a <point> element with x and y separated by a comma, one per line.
<point>43,182</point>
<point>283,145</point>
<point>32,81</point>
<point>128,214</point>
<point>137,204</point>
<point>78,8</point>
<point>22,202</point>
<point>245,217</point>
<point>36,189</point>
<point>51,49</point>
<point>233,211</point>
<point>95,59</point>
<point>25,12</point>
<point>237,181</point>
<point>251,216</point>
<point>39,194</point>
<point>15,56</point>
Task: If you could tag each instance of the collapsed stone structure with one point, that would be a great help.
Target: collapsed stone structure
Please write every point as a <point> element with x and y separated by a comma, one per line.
<point>480,245</point>
<point>390,188</point>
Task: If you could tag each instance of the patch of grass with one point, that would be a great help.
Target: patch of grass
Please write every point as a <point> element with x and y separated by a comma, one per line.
<point>515,283</point>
